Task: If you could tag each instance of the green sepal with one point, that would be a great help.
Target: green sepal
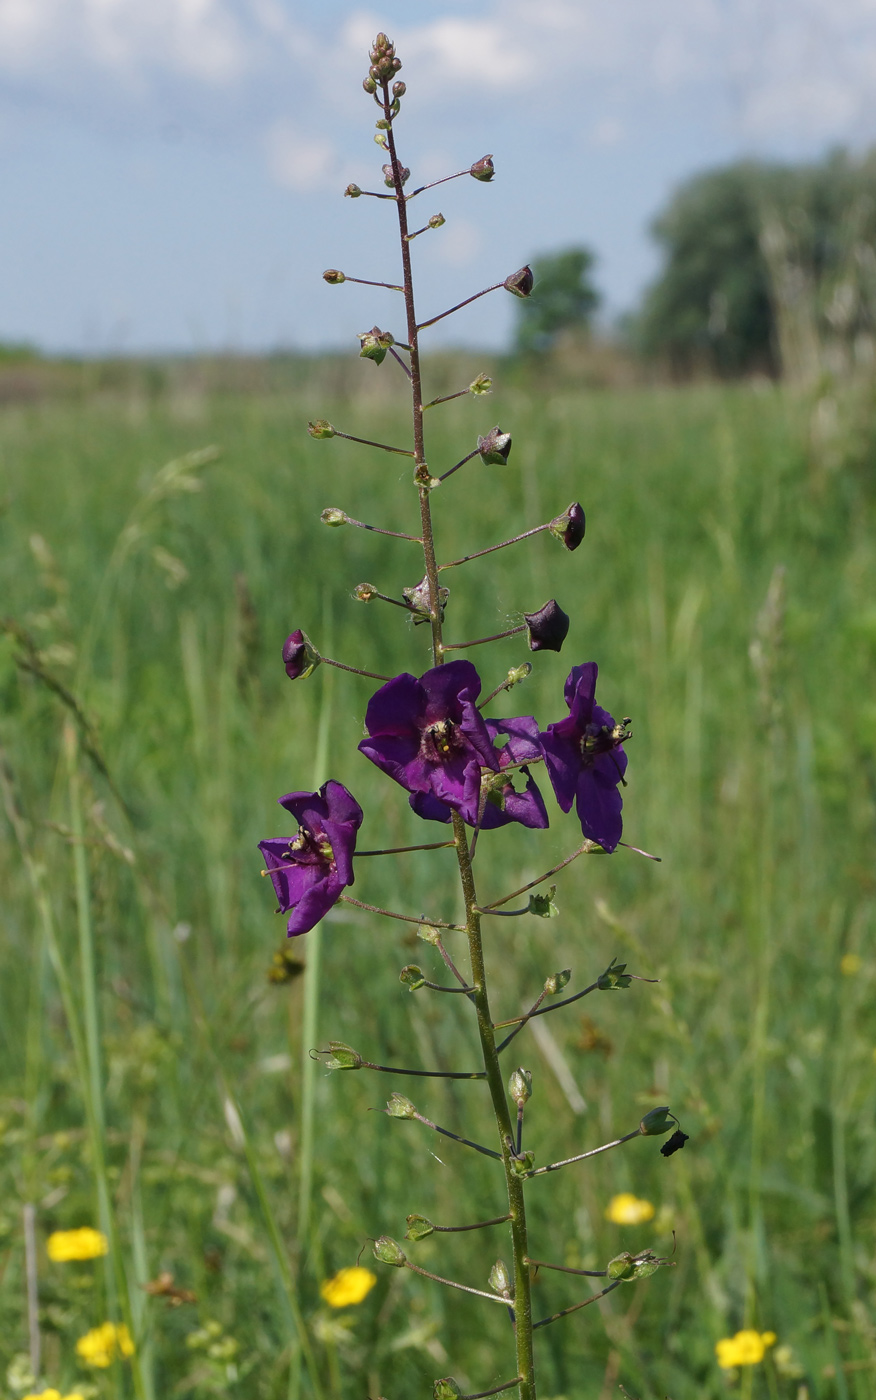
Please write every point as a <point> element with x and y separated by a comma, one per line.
<point>397,1106</point>
<point>389,1251</point>
<point>418,1227</point>
<point>543,904</point>
<point>614,977</point>
<point>557,981</point>
<point>657,1122</point>
<point>500,1279</point>
<point>522,1165</point>
<point>341,1056</point>
<point>412,977</point>
<point>632,1268</point>
<point>445,1389</point>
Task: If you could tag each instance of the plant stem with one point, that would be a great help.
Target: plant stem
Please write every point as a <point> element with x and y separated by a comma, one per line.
<point>479,553</point>
<point>594,1152</point>
<point>449,1283</point>
<point>479,1225</point>
<point>575,1306</point>
<point>478,979</point>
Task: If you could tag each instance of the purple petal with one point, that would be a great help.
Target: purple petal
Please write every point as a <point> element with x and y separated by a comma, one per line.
<point>599,803</point>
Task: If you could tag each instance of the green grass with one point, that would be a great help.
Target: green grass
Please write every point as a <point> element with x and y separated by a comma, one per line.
<point>152,1076</point>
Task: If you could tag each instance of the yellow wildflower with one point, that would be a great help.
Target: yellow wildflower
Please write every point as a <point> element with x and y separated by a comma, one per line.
<point>347,1287</point>
<point>84,1243</point>
<point>745,1349</point>
<point>627,1209</point>
<point>100,1346</point>
<point>850,964</point>
<point>52,1394</point>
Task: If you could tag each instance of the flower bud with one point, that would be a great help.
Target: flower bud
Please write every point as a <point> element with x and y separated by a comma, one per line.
<point>516,674</point>
<point>445,1389</point>
<point>397,1106</point>
<point>300,656</point>
<point>374,344</point>
<point>389,1252</point>
<point>495,448</point>
<point>522,1165</point>
<point>365,592</point>
<point>631,1268</point>
<point>675,1143</point>
<point>548,628</point>
<point>483,169</point>
<point>398,89</point>
<point>321,428</point>
<point>333,277</point>
<point>381,141</point>
<point>520,1086</point>
<point>382,124</point>
<point>569,527</point>
<point>482,385</point>
<point>334,516</point>
<point>369,84</point>
<point>557,982</point>
<point>389,179</point>
<point>520,282</point>
<point>412,977</point>
<point>437,220</point>
<point>352,192</point>
<point>418,1227</point>
<point>614,977</point>
<point>500,1279</point>
<point>418,597</point>
<point>340,1056</point>
<point>542,905</point>
<point>657,1122</point>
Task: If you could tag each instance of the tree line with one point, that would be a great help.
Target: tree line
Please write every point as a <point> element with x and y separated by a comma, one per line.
<point>766,268</point>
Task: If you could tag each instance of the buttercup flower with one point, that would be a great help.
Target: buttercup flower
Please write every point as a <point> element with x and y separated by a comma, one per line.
<point>101,1345</point>
<point>310,871</point>
<point>585,760</point>
<point>519,746</point>
<point>65,1245</point>
<point>347,1287</point>
<point>429,735</point>
<point>627,1209</point>
<point>52,1394</point>
<point>745,1349</point>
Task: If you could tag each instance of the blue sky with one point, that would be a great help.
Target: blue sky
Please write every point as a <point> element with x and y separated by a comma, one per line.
<point>172,170</point>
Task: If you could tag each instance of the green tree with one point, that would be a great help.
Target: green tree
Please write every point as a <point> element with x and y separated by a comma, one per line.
<point>764,264</point>
<point>563,299</point>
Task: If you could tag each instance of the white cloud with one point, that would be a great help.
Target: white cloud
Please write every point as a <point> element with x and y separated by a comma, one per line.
<point>299,160</point>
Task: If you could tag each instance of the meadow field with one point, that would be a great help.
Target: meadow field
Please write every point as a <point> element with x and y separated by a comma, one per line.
<point>156,1082</point>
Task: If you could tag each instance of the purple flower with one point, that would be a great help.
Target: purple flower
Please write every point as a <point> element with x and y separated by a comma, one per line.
<point>429,735</point>
<point>503,803</point>
<point>310,871</point>
<point>585,761</point>
<point>300,656</point>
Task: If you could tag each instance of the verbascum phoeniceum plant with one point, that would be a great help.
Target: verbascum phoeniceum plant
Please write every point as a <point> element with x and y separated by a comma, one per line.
<point>438,738</point>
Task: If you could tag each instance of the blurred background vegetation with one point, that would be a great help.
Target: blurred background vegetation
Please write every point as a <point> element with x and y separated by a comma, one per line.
<point>159,538</point>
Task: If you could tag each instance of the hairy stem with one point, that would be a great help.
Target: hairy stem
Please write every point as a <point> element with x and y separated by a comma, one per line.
<point>478,979</point>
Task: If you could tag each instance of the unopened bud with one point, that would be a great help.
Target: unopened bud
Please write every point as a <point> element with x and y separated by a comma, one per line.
<point>437,220</point>
<point>388,1251</point>
<point>352,192</point>
<point>548,628</point>
<point>333,516</point>
<point>482,385</point>
<point>657,1122</point>
<point>418,1227</point>
<point>389,178</point>
<point>516,674</point>
<point>380,140</point>
<point>520,1086</point>
<point>412,977</point>
<point>369,84</point>
<point>569,527</point>
<point>500,1279</point>
<point>632,1268</point>
<point>382,124</point>
<point>374,344</point>
<point>445,1389</point>
<point>495,448</point>
<point>483,169</point>
<point>364,592</point>
<point>340,1056</point>
<point>300,656</point>
<point>398,89</point>
<point>557,982</point>
<point>520,282</point>
<point>397,1106</point>
<point>333,277</point>
<point>321,428</point>
<point>614,978</point>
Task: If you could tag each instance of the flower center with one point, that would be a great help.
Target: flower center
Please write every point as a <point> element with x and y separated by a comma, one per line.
<point>441,741</point>
<point>308,849</point>
<point>602,738</point>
